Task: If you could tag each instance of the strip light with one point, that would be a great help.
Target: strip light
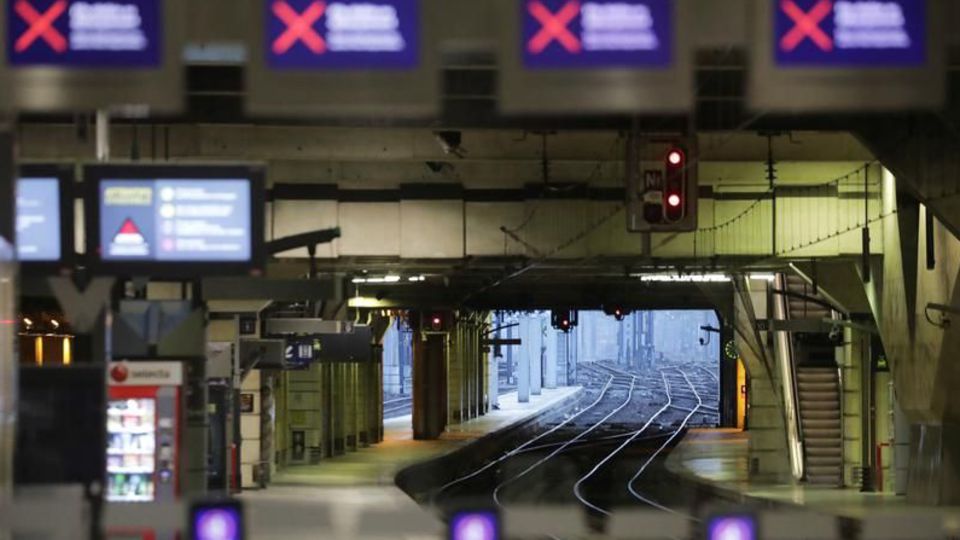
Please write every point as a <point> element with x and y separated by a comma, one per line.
<point>684,278</point>
<point>390,278</point>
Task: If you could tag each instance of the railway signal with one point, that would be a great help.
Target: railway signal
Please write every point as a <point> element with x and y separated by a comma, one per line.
<point>662,185</point>
<point>675,185</point>
<point>617,312</point>
<point>563,320</point>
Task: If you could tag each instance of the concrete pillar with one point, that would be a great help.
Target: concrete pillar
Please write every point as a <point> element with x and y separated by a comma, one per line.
<point>338,412</point>
<point>493,380</point>
<point>767,450</point>
<point>304,412</point>
<point>479,360</point>
<point>550,357</point>
<point>326,409</point>
<point>455,375</point>
<point>536,356</point>
<point>351,398</point>
<point>510,357</point>
<point>523,361</point>
<point>360,382</point>
<point>429,385</point>
<point>465,358</point>
<point>377,416</point>
<point>852,372</point>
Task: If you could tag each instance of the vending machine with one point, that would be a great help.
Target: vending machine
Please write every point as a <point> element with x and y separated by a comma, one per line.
<point>143,431</point>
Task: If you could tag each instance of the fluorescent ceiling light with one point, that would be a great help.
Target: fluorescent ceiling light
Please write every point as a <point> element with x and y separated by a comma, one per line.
<point>685,278</point>
<point>762,277</point>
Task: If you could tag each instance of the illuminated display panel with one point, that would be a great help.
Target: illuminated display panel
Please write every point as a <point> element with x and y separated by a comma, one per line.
<point>175,220</point>
<point>558,34</point>
<point>181,221</point>
<point>38,220</point>
<point>343,34</point>
<point>850,33</point>
<point>85,33</point>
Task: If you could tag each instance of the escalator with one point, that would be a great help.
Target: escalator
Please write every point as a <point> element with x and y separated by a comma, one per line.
<point>817,387</point>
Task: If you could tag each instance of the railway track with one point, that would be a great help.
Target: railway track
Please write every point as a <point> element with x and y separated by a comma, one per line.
<point>627,421</point>
<point>397,407</point>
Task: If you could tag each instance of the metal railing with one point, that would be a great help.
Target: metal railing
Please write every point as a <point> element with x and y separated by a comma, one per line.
<point>788,375</point>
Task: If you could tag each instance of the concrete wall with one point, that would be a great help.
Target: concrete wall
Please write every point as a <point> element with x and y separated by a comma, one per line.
<point>851,369</point>
<point>459,229</point>
<point>769,460</point>
<point>922,352</point>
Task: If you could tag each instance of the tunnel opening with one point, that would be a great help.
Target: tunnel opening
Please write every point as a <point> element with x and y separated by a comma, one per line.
<point>398,371</point>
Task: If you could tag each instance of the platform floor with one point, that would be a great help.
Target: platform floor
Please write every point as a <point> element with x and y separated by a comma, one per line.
<point>719,458</point>
<point>378,464</point>
<point>340,496</point>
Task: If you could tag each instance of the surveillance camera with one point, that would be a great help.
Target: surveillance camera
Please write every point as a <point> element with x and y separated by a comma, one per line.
<point>835,334</point>
<point>450,142</point>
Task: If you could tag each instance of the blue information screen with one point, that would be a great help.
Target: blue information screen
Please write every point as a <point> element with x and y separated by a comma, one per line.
<point>850,33</point>
<point>38,220</point>
<point>84,33</point>
<point>175,220</point>
<point>342,34</point>
<point>560,34</point>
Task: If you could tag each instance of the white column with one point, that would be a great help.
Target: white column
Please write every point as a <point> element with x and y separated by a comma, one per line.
<point>493,380</point>
<point>550,371</point>
<point>535,352</point>
<point>523,361</point>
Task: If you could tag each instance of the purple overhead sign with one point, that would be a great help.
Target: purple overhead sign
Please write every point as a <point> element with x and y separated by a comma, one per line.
<point>560,34</point>
<point>84,33</point>
<point>850,33</point>
<point>342,34</point>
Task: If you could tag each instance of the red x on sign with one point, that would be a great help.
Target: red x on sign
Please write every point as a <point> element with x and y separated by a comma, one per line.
<point>40,26</point>
<point>554,26</point>
<point>807,25</point>
<point>299,27</point>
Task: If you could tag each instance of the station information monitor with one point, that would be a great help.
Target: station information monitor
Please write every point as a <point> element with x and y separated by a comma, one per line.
<point>44,213</point>
<point>175,221</point>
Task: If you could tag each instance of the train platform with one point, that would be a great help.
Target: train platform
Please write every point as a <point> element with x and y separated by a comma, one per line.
<point>346,489</point>
<point>379,464</point>
<point>719,459</point>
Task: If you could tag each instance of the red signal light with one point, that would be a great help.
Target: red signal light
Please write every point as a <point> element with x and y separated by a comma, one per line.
<point>675,157</point>
<point>673,200</point>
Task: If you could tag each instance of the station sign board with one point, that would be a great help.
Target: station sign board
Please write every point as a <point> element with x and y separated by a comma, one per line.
<point>175,221</point>
<point>44,217</point>
<point>309,34</point>
<point>343,58</point>
<point>595,56</point>
<point>597,33</point>
<point>852,55</point>
<point>68,55</point>
<point>84,33</point>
